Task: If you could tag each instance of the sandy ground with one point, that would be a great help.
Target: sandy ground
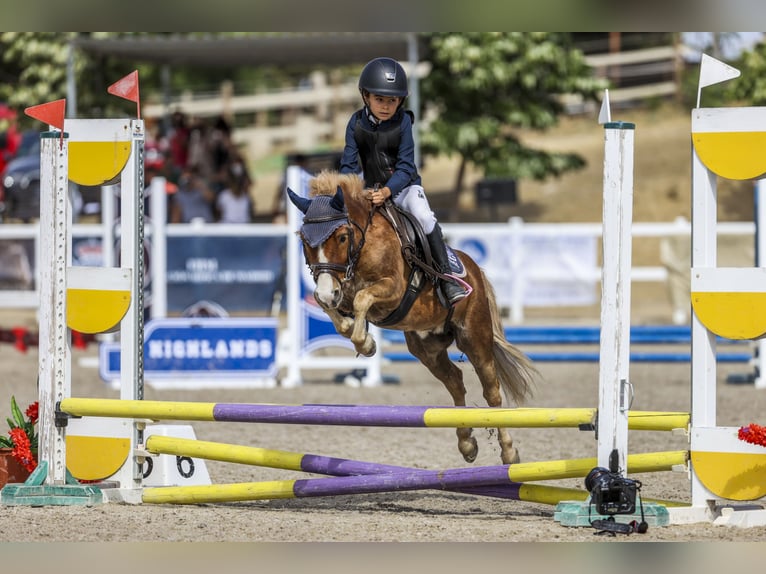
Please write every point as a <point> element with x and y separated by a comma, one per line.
<point>432,516</point>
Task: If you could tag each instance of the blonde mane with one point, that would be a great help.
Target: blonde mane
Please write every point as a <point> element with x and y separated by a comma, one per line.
<point>327,182</point>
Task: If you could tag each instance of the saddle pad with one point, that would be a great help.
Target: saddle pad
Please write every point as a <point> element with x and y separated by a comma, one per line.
<point>456,266</point>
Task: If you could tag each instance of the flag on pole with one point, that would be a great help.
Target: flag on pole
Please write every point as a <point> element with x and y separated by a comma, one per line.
<point>51,113</point>
<point>714,71</point>
<point>605,114</point>
<point>127,88</point>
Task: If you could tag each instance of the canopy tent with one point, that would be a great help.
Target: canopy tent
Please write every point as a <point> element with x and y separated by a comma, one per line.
<point>316,49</point>
<point>265,49</point>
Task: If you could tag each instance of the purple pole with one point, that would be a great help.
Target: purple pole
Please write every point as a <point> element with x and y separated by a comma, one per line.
<point>352,415</point>
<point>450,479</point>
<point>317,464</point>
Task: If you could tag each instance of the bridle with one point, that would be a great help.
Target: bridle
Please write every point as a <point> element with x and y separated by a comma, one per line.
<point>353,253</point>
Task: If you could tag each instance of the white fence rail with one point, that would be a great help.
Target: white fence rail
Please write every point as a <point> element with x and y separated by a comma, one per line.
<point>505,277</point>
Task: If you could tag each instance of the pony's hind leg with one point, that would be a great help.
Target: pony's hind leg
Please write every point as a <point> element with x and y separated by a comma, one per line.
<point>432,352</point>
<point>484,364</point>
<point>491,386</point>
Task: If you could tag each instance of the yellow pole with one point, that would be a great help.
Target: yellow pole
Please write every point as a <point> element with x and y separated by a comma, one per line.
<point>432,417</point>
<point>520,472</point>
<point>154,410</point>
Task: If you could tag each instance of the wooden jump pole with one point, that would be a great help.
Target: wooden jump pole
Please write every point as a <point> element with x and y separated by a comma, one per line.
<point>361,415</point>
<point>520,472</point>
<point>358,477</point>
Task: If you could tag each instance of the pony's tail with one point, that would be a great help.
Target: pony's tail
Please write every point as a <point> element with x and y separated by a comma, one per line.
<point>516,373</point>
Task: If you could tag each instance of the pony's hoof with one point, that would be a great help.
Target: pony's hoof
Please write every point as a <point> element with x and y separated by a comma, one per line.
<point>368,350</point>
<point>469,449</point>
<point>511,456</point>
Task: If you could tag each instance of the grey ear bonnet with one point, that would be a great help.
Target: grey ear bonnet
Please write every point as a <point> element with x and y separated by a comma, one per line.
<point>323,214</point>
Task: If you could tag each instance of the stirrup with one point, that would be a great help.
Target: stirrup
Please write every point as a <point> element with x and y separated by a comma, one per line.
<point>456,296</point>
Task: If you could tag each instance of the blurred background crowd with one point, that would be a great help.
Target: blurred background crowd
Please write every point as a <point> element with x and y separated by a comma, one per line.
<point>207,174</point>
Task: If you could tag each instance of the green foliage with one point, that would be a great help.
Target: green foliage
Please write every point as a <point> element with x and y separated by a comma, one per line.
<point>35,67</point>
<point>483,85</point>
<point>750,87</point>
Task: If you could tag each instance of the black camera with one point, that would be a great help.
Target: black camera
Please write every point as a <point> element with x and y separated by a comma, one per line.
<point>611,493</point>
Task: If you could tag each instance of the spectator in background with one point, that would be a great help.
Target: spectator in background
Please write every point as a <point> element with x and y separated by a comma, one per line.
<point>178,139</point>
<point>279,208</point>
<point>194,199</point>
<point>222,153</point>
<point>9,136</point>
<point>234,203</point>
<point>156,165</point>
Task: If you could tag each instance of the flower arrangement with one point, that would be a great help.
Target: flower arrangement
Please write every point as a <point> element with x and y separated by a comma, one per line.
<point>753,433</point>
<point>22,433</point>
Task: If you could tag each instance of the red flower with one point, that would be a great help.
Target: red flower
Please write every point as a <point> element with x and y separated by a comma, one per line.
<point>24,440</point>
<point>33,412</point>
<point>22,449</point>
<point>753,434</point>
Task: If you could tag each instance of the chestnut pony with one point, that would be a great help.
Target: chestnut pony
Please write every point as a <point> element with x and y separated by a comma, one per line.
<point>356,259</point>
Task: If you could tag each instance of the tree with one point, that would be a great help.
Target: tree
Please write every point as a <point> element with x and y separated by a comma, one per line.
<point>483,85</point>
<point>750,87</point>
<point>34,71</point>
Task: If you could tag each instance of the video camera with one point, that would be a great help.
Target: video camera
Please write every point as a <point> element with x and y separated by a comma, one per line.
<point>610,492</point>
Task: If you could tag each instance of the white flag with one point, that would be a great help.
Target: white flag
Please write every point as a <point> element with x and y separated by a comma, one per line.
<point>713,71</point>
<point>605,114</point>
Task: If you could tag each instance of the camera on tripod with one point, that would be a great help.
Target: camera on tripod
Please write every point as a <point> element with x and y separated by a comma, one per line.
<point>610,492</point>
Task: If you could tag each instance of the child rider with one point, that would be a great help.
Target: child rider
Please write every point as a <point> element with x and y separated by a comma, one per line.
<point>379,144</point>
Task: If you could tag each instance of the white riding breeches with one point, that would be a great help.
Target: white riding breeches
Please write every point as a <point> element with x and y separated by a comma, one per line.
<point>413,199</point>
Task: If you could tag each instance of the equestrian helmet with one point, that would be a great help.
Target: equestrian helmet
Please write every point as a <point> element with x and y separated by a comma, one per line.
<point>384,77</point>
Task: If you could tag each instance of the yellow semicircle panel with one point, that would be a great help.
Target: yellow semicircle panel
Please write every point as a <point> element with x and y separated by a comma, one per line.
<point>739,316</point>
<point>97,298</point>
<point>95,458</point>
<point>97,163</point>
<point>734,476</point>
<point>732,155</point>
<point>96,310</point>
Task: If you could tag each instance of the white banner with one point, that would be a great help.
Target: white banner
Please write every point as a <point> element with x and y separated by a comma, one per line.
<point>550,270</point>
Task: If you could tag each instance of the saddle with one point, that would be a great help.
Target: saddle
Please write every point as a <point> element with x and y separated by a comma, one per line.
<point>417,254</point>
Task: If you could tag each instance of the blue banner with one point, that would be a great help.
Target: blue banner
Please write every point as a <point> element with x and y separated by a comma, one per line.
<point>241,274</point>
<point>202,348</point>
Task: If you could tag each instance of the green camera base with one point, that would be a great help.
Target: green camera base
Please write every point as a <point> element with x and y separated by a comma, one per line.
<point>34,492</point>
<point>583,513</point>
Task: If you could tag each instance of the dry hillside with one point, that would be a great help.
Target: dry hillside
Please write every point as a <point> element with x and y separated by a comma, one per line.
<point>662,173</point>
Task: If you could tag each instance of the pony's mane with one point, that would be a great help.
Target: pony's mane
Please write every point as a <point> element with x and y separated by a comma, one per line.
<point>327,182</point>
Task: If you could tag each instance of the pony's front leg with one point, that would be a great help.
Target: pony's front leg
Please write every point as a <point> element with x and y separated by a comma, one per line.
<point>363,300</point>
<point>360,336</point>
<point>343,324</point>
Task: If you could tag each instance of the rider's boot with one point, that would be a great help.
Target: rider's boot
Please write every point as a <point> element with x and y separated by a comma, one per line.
<point>452,290</point>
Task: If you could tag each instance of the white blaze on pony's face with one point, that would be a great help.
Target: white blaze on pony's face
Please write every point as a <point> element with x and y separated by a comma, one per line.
<point>327,292</point>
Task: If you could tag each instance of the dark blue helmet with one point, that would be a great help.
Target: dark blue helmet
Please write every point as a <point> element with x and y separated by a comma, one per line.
<point>385,77</point>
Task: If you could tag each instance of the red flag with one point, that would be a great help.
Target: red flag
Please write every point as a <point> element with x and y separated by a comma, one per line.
<point>51,113</point>
<point>127,88</point>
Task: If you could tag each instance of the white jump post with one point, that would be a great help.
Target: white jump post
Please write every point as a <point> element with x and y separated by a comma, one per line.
<point>614,358</point>
<point>89,299</point>
<point>55,350</point>
<point>296,353</point>
<point>727,302</point>
<point>760,250</point>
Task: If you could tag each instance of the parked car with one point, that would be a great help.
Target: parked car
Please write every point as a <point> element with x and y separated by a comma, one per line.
<point>21,187</point>
<point>20,194</point>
